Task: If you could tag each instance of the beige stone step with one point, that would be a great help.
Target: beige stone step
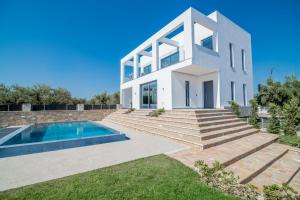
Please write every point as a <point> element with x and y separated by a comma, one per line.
<point>179,119</point>
<point>192,124</point>
<point>222,126</point>
<point>227,138</point>
<point>226,131</point>
<point>195,114</point>
<point>157,123</point>
<point>212,118</point>
<point>281,171</point>
<point>252,165</point>
<point>155,132</point>
<point>161,130</point>
<point>218,122</point>
<point>295,182</point>
<point>229,152</point>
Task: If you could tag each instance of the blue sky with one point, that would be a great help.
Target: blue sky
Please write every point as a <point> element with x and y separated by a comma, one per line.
<point>78,44</point>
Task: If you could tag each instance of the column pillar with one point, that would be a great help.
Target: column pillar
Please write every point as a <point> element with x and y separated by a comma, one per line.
<point>188,35</point>
<point>135,65</point>
<point>122,73</point>
<point>155,56</point>
<point>215,41</point>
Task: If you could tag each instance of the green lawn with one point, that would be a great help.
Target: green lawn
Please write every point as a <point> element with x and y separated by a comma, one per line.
<point>290,140</point>
<point>157,177</point>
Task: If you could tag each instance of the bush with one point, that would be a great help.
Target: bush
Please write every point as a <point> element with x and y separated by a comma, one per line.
<point>277,192</point>
<point>156,113</point>
<point>254,113</point>
<point>290,140</point>
<point>129,110</point>
<point>274,121</point>
<point>216,176</point>
<point>290,117</point>
<point>235,108</point>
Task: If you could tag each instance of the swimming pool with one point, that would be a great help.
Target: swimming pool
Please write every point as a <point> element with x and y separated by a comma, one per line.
<point>54,136</point>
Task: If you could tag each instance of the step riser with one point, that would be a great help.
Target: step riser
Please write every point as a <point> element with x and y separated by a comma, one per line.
<point>227,140</point>
<point>253,175</point>
<point>182,129</point>
<point>221,128</point>
<point>216,118</point>
<point>225,133</point>
<point>195,115</point>
<point>179,119</point>
<point>161,131</point>
<point>217,123</point>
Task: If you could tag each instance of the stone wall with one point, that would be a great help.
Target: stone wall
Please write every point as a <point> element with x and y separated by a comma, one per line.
<point>19,118</point>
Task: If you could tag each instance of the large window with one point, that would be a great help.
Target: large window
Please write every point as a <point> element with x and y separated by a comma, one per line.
<point>243,60</point>
<point>187,93</point>
<point>232,88</point>
<point>231,55</point>
<point>207,42</point>
<point>169,60</point>
<point>245,94</point>
<point>149,95</point>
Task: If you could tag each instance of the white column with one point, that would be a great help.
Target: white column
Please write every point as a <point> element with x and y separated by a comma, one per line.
<point>135,65</point>
<point>215,41</point>
<point>188,35</point>
<point>142,70</point>
<point>122,73</point>
<point>155,56</point>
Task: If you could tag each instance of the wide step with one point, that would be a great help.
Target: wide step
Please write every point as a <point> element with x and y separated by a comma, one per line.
<point>281,171</point>
<point>252,165</point>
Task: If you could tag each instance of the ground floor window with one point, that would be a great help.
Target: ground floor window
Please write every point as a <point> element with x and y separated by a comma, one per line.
<point>149,95</point>
<point>232,86</point>
<point>187,93</point>
<point>245,94</point>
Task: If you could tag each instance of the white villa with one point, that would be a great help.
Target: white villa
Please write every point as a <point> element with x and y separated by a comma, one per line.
<point>195,61</point>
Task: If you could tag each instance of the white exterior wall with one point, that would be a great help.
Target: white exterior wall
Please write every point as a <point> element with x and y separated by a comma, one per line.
<point>197,64</point>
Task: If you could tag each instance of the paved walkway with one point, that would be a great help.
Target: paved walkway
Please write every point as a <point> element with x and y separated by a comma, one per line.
<point>29,169</point>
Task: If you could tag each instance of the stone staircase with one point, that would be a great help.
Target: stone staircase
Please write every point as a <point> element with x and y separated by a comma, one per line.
<point>217,134</point>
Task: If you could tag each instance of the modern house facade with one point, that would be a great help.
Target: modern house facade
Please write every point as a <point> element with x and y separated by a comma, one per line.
<point>195,61</point>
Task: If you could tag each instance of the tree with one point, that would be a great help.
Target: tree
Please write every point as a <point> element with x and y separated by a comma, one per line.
<point>254,113</point>
<point>19,95</point>
<point>43,94</point>
<point>115,98</point>
<point>62,96</point>
<point>274,121</point>
<point>4,94</point>
<point>102,98</point>
<point>291,117</point>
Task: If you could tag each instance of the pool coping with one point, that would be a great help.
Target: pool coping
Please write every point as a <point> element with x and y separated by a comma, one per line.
<point>37,147</point>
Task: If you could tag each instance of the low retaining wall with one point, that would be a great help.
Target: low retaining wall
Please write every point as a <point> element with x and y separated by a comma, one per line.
<point>12,118</point>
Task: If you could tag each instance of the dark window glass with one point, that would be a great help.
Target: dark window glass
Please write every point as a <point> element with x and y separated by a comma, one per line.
<point>231,54</point>
<point>207,42</point>
<point>147,69</point>
<point>232,90</point>
<point>244,95</point>
<point>169,60</point>
<point>243,60</point>
<point>187,93</point>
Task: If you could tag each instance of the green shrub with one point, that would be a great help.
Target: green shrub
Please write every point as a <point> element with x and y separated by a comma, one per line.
<point>157,112</point>
<point>290,140</point>
<point>274,121</point>
<point>129,110</point>
<point>235,108</point>
<point>225,181</point>
<point>253,119</point>
<point>290,117</point>
<point>277,192</point>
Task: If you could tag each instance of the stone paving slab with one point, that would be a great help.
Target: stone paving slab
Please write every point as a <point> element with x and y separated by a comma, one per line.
<point>280,171</point>
<point>295,182</point>
<point>225,152</point>
<point>33,168</point>
<point>255,163</point>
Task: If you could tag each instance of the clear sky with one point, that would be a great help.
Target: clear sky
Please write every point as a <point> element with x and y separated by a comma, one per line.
<point>78,44</point>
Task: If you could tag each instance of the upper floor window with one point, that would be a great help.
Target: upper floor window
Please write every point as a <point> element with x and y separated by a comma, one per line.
<point>207,42</point>
<point>169,60</point>
<point>243,60</point>
<point>147,69</point>
<point>231,55</point>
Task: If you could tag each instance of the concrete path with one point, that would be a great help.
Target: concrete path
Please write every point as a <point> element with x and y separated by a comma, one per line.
<point>33,168</point>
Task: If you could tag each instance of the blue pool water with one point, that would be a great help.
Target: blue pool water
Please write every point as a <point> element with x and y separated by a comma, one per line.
<point>59,131</point>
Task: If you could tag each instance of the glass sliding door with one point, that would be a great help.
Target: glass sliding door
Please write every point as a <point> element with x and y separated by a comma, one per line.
<point>149,95</point>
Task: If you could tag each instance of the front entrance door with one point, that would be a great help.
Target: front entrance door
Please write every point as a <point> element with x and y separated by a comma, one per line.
<point>149,95</point>
<point>208,94</point>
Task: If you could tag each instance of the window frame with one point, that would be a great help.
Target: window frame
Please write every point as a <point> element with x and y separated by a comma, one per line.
<point>231,55</point>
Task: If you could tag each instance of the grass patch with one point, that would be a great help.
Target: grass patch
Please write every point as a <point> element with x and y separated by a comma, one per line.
<point>290,140</point>
<point>157,177</point>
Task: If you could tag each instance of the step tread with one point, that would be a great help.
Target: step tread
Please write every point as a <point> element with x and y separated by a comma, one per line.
<point>280,171</point>
<point>237,123</point>
<point>218,121</point>
<point>225,153</point>
<point>248,166</point>
<point>228,136</point>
